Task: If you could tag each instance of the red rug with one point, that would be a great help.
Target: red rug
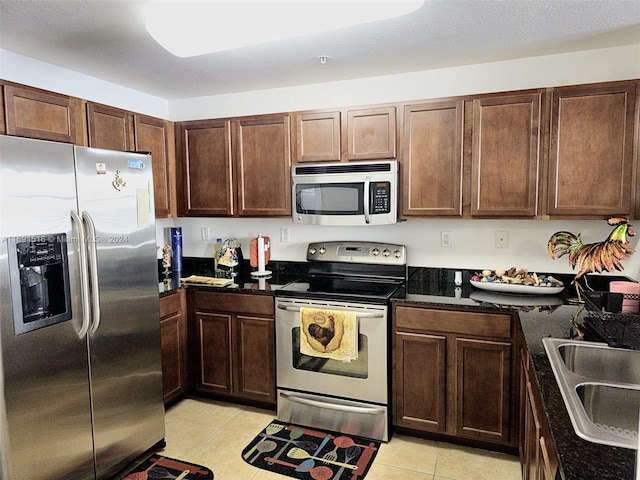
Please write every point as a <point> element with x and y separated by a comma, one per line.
<point>304,453</point>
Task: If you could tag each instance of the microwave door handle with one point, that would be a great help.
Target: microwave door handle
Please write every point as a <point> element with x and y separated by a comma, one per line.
<point>367,197</point>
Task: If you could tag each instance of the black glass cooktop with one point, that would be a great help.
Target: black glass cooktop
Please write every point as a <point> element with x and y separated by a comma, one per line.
<point>327,287</point>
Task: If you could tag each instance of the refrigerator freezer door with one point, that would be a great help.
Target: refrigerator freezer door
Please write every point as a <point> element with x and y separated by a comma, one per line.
<point>116,199</point>
<point>45,421</point>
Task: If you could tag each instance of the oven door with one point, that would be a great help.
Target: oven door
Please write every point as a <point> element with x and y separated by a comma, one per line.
<point>365,378</point>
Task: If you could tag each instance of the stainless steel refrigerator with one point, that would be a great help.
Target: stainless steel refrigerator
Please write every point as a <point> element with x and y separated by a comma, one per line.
<point>80,363</point>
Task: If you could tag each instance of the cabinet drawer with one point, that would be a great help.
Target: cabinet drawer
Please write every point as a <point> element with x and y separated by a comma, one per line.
<point>170,305</point>
<point>234,302</point>
<point>447,321</point>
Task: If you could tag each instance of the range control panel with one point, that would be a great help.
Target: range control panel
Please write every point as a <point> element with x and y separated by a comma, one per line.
<point>357,252</point>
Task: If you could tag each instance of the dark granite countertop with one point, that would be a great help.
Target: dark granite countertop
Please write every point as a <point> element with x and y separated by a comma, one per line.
<point>282,274</point>
<point>540,317</point>
<point>578,458</point>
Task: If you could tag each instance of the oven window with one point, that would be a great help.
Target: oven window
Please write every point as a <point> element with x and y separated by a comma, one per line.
<point>356,368</point>
<point>330,198</point>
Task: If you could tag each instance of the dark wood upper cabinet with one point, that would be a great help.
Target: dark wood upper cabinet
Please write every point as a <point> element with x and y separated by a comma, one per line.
<point>35,113</point>
<point>506,155</point>
<point>318,137</point>
<point>591,163</point>
<point>109,127</point>
<point>152,135</point>
<point>236,166</point>
<point>262,162</point>
<point>205,151</point>
<point>345,135</point>
<point>431,159</point>
<point>371,133</point>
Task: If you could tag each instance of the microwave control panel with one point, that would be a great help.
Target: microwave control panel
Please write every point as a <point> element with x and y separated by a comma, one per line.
<point>380,197</point>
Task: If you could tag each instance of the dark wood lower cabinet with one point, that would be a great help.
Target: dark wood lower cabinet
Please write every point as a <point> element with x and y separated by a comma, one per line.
<point>420,393</point>
<point>173,334</point>
<point>453,374</point>
<point>537,453</point>
<point>483,381</point>
<point>233,346</point>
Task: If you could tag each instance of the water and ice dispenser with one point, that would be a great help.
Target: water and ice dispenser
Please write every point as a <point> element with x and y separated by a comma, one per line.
<point>39,281</point>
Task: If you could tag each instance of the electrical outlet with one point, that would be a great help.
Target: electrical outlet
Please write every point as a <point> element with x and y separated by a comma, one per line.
<point>502,238</point>
<point>285,235</point>
<point>205,233</point>
<point>445,239</point>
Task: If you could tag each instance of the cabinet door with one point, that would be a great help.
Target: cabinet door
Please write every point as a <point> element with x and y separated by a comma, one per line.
<point>505,155</point>
<point>254,350</point>
<point>547,466</point>
<point>39,114</point>
<point>262,160</point>
<point>151,135</point>
<point>173,333</point>
<point>109,127</point>
<point>591,151</point>
<point>214,345</point>
<point>482,389</point>
<point>317,137</point>
<point>532,435</point>
<point>173,356</point>
<point>205,150</point>
<point>420,393</point>
<point>371,133</point>
<point>431,159</point>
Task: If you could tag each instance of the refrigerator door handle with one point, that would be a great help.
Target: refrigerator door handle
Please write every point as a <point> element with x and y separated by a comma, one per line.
<point>93,271</point>
<point>84,273</point>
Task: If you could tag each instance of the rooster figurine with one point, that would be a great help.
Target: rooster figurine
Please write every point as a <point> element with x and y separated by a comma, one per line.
<point>594,257</point>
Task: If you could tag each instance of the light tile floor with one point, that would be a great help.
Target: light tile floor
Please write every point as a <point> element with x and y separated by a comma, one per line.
<point>213,434</point>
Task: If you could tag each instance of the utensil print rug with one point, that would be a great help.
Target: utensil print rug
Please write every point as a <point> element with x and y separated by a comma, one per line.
<point>300,452</point>
<point>159,467</point>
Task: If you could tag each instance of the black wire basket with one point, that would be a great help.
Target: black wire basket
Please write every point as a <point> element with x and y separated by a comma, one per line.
<point>620,330</point>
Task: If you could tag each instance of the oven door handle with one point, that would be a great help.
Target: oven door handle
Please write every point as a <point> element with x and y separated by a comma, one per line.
<point>296,308</point>
<point>331,406</point>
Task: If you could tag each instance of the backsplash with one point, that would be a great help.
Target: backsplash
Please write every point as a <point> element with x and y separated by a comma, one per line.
<point>472,241</point>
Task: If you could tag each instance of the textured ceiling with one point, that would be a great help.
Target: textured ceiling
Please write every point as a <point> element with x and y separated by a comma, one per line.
<point>107,39</point>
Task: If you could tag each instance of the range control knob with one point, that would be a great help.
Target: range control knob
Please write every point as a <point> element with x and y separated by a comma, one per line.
<point>397,254</point>
<point>322,250</point>
<point>375,252</point>
<point>386,252</point>
<point>312,250</point>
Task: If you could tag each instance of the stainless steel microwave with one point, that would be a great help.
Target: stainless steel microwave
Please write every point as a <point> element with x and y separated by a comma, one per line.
<point>357,193</point>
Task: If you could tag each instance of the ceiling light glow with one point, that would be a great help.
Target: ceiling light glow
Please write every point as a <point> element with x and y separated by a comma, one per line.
<point>190,28</point>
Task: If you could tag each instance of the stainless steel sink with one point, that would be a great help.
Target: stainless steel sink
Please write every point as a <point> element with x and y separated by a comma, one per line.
<point>600,386</point>
<point>600,362</point>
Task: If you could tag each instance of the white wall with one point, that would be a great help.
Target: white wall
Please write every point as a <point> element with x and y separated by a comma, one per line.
<point>35,73</point>
<point>473,241</point>
<point>620,63</point>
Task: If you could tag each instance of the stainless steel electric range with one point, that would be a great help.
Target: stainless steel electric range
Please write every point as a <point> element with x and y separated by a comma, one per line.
<point>333,338</point>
